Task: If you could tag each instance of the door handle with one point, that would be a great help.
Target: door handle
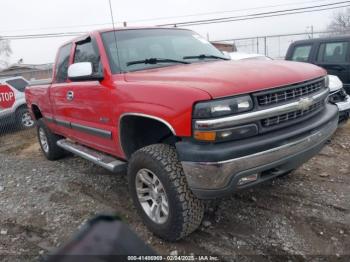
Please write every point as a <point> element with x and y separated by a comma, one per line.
<point>70,95</point>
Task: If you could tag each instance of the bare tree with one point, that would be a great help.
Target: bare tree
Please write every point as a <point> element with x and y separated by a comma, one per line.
<point>341,23</point>
<point>5,52</point>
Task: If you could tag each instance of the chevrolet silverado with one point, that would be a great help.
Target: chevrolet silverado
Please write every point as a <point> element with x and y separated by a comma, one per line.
<point>183,121</point>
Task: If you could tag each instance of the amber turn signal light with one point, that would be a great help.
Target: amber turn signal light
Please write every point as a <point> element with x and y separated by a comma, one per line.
<point>205,136</point>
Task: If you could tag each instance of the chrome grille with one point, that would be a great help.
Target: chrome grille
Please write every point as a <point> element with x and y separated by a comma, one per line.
<point>276,120</point>
<point>289,93</point>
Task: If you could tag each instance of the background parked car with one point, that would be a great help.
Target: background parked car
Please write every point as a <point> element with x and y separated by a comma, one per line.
<point>333,54</point>
<point>339,97</point>
<point>13,107</point>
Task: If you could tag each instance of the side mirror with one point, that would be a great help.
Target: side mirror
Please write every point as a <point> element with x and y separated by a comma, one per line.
<point>82,72</point>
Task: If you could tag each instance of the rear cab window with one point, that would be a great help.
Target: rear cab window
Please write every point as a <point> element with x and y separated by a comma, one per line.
<point>301,53</point>
<point>63,63</point>
<point>333,52</point>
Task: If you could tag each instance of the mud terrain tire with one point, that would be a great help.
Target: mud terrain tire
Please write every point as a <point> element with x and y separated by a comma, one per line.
<point>185,209</point>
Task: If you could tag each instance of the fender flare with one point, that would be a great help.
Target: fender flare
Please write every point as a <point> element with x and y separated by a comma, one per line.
<point>147,116</point>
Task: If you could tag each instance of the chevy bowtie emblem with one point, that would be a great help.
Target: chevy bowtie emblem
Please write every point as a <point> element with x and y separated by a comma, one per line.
<point>305,103</point>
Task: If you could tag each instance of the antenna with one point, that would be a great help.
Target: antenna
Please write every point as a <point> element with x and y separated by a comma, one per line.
<point>114,32</point>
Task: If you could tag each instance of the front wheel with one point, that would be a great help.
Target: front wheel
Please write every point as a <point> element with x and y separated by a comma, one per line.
<point>160,193</point>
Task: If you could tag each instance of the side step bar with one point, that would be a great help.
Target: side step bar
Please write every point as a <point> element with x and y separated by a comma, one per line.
<point>112,164</point>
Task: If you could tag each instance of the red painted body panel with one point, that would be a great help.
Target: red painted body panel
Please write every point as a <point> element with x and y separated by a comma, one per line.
<point>228,78</point>
<point>167,93</point>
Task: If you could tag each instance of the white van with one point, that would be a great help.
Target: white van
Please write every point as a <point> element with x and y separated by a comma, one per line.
<point>13,107</point>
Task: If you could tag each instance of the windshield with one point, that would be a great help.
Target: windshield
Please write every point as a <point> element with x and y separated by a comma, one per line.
<point>162,44</point>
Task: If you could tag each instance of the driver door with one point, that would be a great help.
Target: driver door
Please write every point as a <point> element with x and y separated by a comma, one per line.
<point>91,108</point>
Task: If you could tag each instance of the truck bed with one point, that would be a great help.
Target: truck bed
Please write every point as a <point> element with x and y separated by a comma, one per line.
<point>37,94</point>
<point>40,82</point>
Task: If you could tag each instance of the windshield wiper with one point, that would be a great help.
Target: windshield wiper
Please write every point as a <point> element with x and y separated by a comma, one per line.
<point>205,56</point>
<point>154,61</point>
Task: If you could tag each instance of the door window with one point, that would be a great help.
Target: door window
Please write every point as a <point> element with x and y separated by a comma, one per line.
<point>301,53</point>
<point>85,52</point>
<point>62,64</point>
<point>333,52</point>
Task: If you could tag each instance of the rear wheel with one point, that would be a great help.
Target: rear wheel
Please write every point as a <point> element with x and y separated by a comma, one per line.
<point>48,142</point>
<point>160,193</point>
<point>24,119</point>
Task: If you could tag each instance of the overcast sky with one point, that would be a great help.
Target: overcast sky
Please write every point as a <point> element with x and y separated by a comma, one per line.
<point>19,17</point>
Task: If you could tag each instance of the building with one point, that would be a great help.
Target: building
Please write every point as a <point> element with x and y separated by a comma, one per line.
<point>28,71</point>
<point>225,46</point>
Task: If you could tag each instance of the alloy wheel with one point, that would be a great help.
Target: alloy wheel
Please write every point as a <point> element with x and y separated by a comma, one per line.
<point>27,120</point>
<point>43,140</point>
<point>152,196</point>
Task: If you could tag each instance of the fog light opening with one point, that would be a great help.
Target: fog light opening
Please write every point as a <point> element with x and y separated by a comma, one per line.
<point>248,179</point>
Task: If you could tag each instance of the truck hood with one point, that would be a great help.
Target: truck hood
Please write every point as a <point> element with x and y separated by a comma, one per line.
<point>227,78</point>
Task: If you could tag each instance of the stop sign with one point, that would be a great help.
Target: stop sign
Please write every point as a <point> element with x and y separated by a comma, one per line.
<point>7,97</point>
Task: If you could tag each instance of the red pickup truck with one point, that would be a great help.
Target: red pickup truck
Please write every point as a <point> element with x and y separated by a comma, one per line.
<point>185,123</point>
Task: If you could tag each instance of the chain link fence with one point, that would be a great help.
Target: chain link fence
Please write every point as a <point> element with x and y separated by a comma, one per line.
<point>274,46</point>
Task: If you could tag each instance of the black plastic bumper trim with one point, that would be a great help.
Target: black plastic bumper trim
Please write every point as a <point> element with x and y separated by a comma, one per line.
<point>86,129</point>
<point>92,131</point>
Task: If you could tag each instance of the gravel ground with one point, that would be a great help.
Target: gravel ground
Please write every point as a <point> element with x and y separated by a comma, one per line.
<point>43,203</point>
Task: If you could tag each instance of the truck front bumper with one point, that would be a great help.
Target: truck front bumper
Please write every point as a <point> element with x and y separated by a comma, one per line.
<point>216,170</point>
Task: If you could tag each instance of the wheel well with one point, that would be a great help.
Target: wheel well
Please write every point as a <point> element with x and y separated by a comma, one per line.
<point>21,107</point>
<point>36,111</point>
<point>137,132</point>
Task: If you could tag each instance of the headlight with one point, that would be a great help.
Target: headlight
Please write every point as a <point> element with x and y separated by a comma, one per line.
<point>221,108</point>
<point>334,83</point>
<point>224,107</point>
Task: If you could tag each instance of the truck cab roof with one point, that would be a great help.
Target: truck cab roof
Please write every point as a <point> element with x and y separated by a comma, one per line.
<point>323,39</point>
<point>109,29</point>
